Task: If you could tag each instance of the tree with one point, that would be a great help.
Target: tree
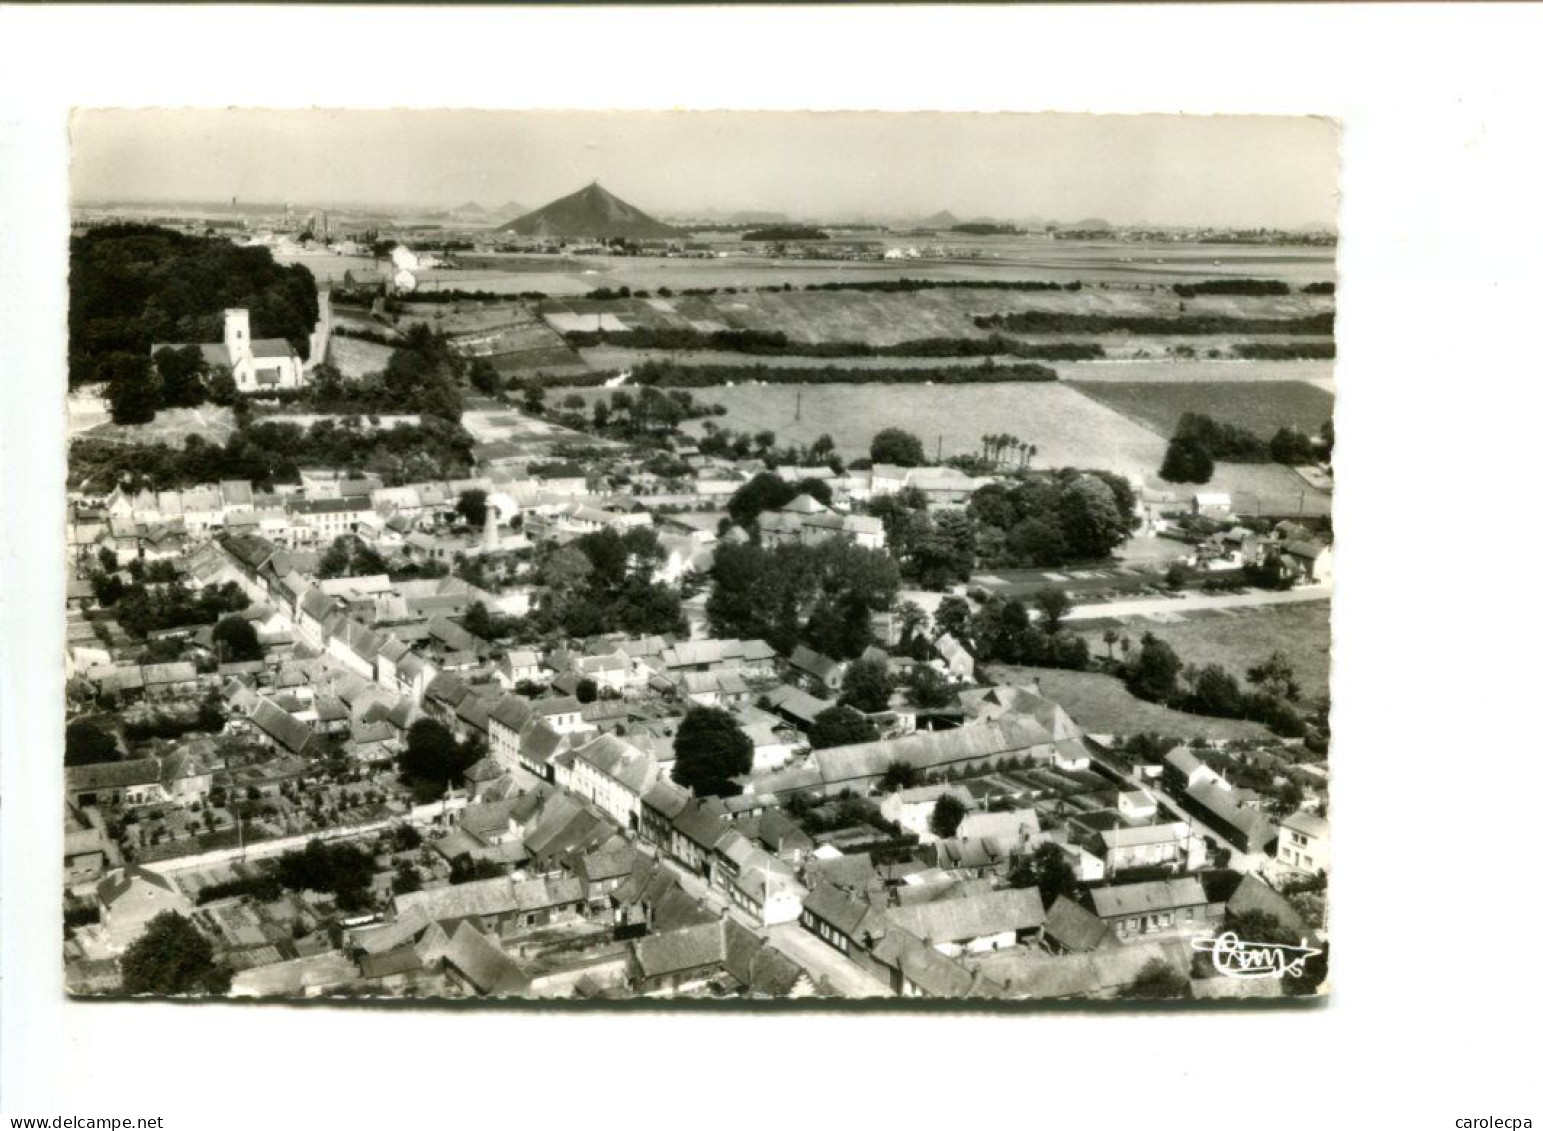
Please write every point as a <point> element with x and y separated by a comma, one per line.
<point>222,386</point>
<point>1052,606</point>
<point>928,689</point>
<point>765,492</point>
<point>1037,541</point>
<point>940,550</point>
<point>182,370</point>
<point>484,378</point>
<point>236,640</point>
<point>841,725</point>
<point>171,957</point>
<point>1187,461</point>
<point>1092,519</point>
<point>866,686</point>
<point>406,879</point>
<point>345,870</point>
<point>1156,981</point>
<point>472,506</point>
<point>899,775</point>
<point>566,568</point>
<point>912,618</point>
<point>1047,869</point>
<point>952,616</point>
<point>946,816</point>
<point>1291,446</point>
<point>86,743</point>
<point>1216,693</point>
<point>432,755</point>
<point>711,750</point>
<point>479,622</point>
<point>348,556</point>
<point>897,446</point>
<point>1155,674</point>
<point>464,869</point>
<point>587,691</point>
<point>1275,677</point>
<point>133,387</point>
<point>840,627</point>
<point>1286,800</point>
<point>1111,638</point>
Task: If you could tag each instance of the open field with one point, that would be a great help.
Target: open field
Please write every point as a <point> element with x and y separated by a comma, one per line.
<point>977,257</point>
<point>1069,429</point>
<point>1101,705</point>
<point>1237,639</point>
<point>215,423</point>
<point>355,357</point>
<point>1316,373</point>
<point>886,318</point>
<point>1261,407</point>
<point>488,421</point>
<point>1271,489</point>
<point>620,357</point>
<point>331,268</point>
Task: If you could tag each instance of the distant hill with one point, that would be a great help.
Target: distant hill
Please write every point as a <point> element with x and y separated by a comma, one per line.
<point>510,209</point>
<point>1094,225</point>
<point>759,218</point>
<point>470,208</point>
<point>944,219</point>
<point>591,213</point>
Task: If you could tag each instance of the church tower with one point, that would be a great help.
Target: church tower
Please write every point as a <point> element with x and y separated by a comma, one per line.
<point>238,334</point>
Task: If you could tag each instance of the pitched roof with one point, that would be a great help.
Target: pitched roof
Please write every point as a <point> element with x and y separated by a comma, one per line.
<point>282,727</point>
<point>844,912</point>
<point>1307,823</point>
<point>929,749</point>
<point>1074,927</point>
<point>112,775</point>
<point>958,920</point>
<point>1223,807</point>
<point>758,965</point>
<point>806,659</point>
<point>1253,894</point>
<point>1154,895</point>
<point>115,885</point>
<point>483,964</point>
<point>680,951</point>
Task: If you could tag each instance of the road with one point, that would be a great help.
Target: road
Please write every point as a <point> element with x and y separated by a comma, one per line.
<point>1240,861</point>
<point>823,961</point>
<point>703,892</point>
<point>1198,602</point>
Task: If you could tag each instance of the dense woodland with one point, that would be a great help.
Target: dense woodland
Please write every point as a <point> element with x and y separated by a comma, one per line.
<point>136,285</point>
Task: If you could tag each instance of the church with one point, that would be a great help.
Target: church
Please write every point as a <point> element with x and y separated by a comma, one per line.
<point>257,366</point>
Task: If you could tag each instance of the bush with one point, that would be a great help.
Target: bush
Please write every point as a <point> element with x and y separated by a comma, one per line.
<point>264,889</point>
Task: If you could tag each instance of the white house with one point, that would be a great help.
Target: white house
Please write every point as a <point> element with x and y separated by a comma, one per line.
<point>1303,843</point>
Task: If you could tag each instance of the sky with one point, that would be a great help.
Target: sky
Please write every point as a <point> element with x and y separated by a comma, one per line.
<point>1224,171</point>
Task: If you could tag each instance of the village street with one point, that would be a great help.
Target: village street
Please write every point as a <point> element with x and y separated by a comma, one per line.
<point>824,962</point>
<point>821,960</point>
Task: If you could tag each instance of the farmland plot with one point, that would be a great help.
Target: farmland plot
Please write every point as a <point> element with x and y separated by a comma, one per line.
<point>1260,406</point>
